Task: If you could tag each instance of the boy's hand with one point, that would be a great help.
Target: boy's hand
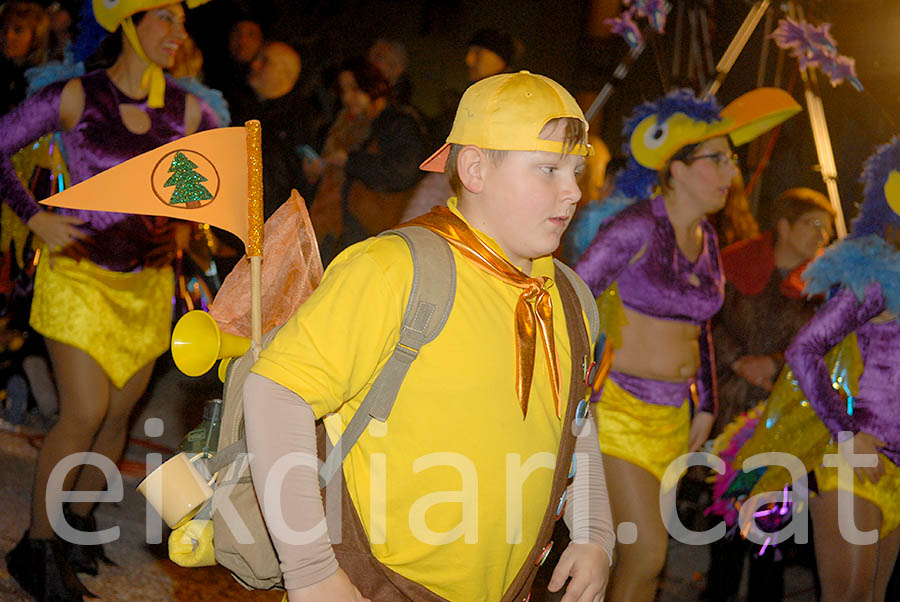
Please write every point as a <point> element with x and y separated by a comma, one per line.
<point>335,588</point>
<point>588,566</point>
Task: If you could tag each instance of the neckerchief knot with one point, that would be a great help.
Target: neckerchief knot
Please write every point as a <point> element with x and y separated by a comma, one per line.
<point>534,308</point>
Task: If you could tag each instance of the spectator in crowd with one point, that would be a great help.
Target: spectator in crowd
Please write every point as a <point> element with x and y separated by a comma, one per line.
<point>24,39</point>
<point>273,77</point>
<point>61,23</point>
<point>245,40</point>
<point>490,52</point>
<point>392,60</point>
<point>371,160</point>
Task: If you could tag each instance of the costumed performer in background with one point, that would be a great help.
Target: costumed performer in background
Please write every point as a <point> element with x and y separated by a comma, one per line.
<point>659,256</point>
<point>103,290</point>
<point>863,272</point>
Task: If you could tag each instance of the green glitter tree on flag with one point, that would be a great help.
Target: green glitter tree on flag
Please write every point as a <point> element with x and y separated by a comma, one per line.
<point>189,189</point>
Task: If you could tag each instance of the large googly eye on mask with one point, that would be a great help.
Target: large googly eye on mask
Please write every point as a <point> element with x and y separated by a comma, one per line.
<point>656,135</point>
<point>892,191</point>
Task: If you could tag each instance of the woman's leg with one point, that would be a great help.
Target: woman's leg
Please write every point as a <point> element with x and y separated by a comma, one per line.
<point>887,558</point>
<point>113,433</point>
<point>846,571</point>
<point>84,395</point>
<point>634,497</point>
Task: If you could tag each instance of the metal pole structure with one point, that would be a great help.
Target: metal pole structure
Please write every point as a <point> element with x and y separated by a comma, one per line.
<point>822,139</point>
<point>618,75</point>
<point>620,72</point>
<point>737,44</point>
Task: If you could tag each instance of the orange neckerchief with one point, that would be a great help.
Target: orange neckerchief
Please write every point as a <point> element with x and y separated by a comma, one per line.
<point>534,305</point>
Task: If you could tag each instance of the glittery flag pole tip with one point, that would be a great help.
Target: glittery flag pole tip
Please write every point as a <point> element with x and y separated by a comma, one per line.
<point>254,189</point>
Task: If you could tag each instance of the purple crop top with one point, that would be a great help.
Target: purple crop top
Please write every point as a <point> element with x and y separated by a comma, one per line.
<point>118,241</point>
<point>658,283</point>
<point>876,408</point>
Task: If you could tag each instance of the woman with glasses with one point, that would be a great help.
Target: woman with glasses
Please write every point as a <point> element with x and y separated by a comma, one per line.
<point>656,272</point>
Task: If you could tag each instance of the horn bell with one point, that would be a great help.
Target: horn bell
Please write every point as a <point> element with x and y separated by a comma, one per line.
<point>197,343</point>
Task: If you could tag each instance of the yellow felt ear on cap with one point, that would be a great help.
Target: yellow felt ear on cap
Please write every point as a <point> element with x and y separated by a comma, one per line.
<point>892,191</point>
<point>653,144</point>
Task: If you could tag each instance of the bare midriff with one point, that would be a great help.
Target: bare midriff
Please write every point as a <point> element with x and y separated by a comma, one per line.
<point>658,349</point>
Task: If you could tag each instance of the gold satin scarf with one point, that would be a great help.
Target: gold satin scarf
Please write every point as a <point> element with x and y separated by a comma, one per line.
<point>534,309</point>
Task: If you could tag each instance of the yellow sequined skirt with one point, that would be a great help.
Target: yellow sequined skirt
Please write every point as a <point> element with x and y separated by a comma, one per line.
<point>645,434</point>
<point>121,319</point>
<point>885,494</point>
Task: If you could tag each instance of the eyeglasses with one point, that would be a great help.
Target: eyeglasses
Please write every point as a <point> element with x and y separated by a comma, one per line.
<point>720,159</point>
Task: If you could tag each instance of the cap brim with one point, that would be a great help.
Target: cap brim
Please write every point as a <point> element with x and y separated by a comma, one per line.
<point>438,161</point>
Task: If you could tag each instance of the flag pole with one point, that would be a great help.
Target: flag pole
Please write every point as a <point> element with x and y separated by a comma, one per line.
<point>255,228</point>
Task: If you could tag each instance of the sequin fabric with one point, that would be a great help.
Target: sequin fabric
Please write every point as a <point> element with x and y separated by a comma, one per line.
<point>647,435</point>
<point>122,320</point>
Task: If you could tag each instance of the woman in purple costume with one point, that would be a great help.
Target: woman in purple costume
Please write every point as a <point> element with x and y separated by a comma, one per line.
<point>856,549</point>
<point>659,257</point>
<point>103,289</point>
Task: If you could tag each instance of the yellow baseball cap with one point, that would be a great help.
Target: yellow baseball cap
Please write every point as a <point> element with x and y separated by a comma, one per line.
<point>508,112</point>
<point>110,13</point>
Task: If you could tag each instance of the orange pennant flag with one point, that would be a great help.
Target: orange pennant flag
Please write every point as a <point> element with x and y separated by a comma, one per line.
<point>202,178</point>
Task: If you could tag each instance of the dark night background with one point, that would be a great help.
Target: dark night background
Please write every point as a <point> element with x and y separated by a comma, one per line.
<point>562,40</point>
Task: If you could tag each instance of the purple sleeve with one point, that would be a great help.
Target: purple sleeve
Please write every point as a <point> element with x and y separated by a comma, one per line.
<point>208,119</point>
<point>706,374</point>
<point>614,246</point>
<point>23,125</point>
<point>838,317</point>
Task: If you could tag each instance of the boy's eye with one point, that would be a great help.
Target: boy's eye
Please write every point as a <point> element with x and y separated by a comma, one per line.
<point>548,169</point>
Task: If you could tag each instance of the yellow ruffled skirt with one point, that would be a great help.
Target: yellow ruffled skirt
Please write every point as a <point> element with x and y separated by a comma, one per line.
<point>645,434</point>
<point>121,319</point>
<point>885,494</point>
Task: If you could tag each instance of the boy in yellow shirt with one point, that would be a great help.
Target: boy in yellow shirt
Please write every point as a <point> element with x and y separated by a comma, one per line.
<point>452,490</point>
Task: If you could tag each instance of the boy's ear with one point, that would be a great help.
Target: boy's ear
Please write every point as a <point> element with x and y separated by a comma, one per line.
<point>470,165</point>
<point>783,227</point>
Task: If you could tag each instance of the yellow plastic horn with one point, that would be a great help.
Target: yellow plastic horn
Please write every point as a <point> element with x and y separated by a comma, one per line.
<point>197,343</point>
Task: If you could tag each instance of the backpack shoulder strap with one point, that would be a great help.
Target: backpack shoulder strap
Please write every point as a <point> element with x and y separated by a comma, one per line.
<point>430,302</point>
<point>585,297</point>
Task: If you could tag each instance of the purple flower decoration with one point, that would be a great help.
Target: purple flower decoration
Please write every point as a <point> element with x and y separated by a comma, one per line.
<point>814,46</point>
<point>821,36</point>
<point>624,26</point>
<point>654,11</point>
<point>842,68</point>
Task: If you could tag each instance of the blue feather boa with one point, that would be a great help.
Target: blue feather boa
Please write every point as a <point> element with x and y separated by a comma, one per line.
<point>855,263</point>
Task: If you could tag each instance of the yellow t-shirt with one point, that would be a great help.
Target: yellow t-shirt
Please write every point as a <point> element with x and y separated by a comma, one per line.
<point>453,487</point>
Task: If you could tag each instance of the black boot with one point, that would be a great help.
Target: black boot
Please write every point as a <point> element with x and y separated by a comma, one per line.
<point>85,558</point>
<point>41,569</point>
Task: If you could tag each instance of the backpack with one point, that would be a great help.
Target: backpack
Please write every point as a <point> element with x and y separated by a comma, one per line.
<point>241,540</point>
